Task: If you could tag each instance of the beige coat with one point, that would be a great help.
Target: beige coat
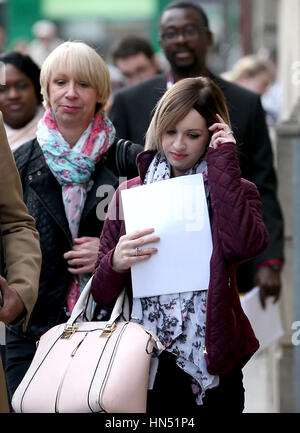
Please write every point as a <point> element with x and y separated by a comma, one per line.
<point>20,240</point>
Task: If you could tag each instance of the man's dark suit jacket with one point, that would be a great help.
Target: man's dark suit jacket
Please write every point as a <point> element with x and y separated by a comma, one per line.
<point>131,114</point>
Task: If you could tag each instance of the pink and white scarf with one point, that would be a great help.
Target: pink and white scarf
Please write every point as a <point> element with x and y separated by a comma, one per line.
<point>73,167</point>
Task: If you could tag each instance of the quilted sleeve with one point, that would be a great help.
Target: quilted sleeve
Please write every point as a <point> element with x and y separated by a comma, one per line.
<point>107,283</point>
<point>236,207</point>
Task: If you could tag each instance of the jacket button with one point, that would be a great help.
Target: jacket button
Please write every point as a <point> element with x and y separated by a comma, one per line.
<point>30,177</point>
<point>39,173</point>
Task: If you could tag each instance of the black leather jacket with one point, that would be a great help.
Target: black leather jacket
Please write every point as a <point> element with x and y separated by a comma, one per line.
<point>43,197</point>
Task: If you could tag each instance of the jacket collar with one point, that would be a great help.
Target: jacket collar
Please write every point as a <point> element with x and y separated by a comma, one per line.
<point>143,161</point>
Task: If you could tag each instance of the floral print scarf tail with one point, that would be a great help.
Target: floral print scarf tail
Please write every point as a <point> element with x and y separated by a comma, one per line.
<point>73,168</point>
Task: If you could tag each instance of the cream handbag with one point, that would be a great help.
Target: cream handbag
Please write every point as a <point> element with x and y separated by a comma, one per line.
<point>84,366</point>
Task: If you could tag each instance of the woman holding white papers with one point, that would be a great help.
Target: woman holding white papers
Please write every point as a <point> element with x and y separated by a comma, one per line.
<point>206,335</point>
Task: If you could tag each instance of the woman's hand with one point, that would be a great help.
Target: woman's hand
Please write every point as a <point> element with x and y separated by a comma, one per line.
<point>129,249</point>
<point>82,258</point>
<point>221,133</point>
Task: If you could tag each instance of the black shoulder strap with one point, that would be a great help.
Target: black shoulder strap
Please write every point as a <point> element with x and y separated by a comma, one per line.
<point>121,150</point>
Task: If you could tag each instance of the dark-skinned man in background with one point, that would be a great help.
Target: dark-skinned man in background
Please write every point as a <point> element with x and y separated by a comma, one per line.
<point>185,38</point>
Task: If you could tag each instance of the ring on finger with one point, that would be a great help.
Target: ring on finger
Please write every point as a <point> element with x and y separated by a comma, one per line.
<point>229,132</point>
<point>137,251</point>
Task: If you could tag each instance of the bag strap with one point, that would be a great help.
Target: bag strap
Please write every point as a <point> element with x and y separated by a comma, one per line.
<point>85,300</point>
<point>121,150</point>
<point>121,308</point>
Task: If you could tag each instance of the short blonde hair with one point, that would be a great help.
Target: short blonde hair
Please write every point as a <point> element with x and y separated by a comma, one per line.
<point>82,62</point>
<point>250,66</point>
<point>201,94</point>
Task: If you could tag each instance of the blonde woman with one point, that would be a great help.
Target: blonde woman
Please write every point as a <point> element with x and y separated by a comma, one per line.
<point>66,172</point>
<point>253,73</point>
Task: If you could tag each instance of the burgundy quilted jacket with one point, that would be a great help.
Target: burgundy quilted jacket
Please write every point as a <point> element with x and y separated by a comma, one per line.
<point>238,234</point>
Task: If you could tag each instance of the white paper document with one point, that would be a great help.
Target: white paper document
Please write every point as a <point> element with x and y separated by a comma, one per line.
<point>266,323</point>
<point>177,210</point>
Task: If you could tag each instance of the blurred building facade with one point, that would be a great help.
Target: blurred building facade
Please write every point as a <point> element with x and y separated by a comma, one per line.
<point>101,23</point>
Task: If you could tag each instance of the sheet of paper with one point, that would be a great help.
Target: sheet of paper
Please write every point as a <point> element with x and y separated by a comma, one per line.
<point>266,323</point>
<point>177,209</point>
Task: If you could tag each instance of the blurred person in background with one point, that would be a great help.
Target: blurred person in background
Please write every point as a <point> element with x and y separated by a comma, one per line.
<point>20,98</point>
<point>116,83</point>
<point>2,39</point>
<point>271,99</point>
<point>135,58</point>
<point>255,73</point>
<point>251,72</point>
<point>45,40</point>
<point>19,252</point>
<point>185,38</point>
<point>65,172</point>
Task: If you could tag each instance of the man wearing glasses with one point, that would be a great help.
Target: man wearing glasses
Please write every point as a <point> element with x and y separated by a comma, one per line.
<point>185,38</point>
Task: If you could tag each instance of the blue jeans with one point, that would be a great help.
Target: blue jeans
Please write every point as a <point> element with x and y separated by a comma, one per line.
<point>19,354</point>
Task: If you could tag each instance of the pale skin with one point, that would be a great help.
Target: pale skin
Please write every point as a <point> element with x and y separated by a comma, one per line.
<point>82,258</point>
<point>189,137</point>
<point>73,103</point>
<point>137,68</point>
<point>176,141</point>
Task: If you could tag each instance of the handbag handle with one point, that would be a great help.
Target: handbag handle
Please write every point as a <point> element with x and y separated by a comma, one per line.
<point>120,161</point>
<point>80,305</point>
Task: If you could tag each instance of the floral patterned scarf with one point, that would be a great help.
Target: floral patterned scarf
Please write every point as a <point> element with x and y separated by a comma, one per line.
<point>73,167</point>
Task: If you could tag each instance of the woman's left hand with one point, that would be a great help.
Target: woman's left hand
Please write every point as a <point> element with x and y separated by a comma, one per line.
<point>221,133</point>
<point>82,258</point>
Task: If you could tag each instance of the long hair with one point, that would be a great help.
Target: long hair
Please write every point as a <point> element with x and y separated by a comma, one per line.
<point>201,94</point>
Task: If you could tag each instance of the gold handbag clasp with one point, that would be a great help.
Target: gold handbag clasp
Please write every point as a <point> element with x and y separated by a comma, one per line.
<point>69,331</point>
<point>109,328</point>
